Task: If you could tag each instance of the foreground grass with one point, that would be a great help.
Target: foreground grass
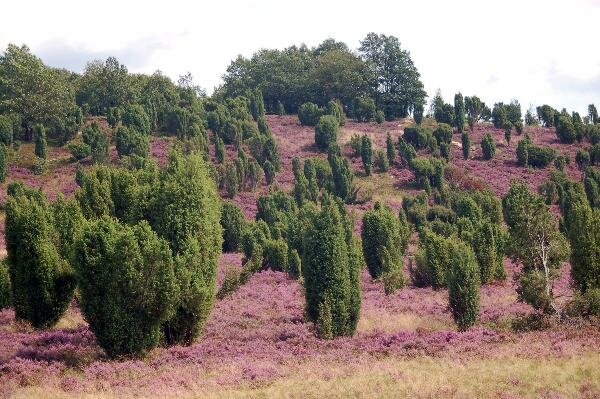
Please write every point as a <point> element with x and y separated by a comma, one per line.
<point>422,377</point>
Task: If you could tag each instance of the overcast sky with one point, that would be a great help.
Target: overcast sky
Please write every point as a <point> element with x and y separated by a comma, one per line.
<point>533,50</point>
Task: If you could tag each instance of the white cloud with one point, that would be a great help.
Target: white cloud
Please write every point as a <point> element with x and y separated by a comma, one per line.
<point>537,51</point>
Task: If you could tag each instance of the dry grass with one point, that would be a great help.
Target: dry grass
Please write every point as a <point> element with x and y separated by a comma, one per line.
<point>382,187</point>
<point>421,377</point>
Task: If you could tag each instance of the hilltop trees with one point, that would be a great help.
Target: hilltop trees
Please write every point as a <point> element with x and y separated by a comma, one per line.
<point>331,268</point>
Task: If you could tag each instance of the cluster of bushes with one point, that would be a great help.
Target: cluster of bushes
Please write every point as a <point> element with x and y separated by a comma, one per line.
<point>123,233</point>
<point>309,113</point>
<point>532,155</point>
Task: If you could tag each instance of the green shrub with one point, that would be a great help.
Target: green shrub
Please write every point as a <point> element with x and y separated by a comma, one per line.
<point>326,131</point>
<point>42,282</point>
<point>275,255</point>
<point>219,150</point>
<point>540,157</point>
<point>364,109</point>
<point>561,161</point>
<point>432,260</point>
<point>379,116</point>
<point>487,244</point>
<point>366,154</point>
<point>230,180</point>
<point>463,285</point>
<point>233,224</point>
<point>41,146</point>
<point>269,171</point>
<point>488,146</point>
<point>190,222</point>
<point>336,109</point>
<point>418,113</point>
<point>279,108</point>
<point>127,285</point>
<point>6,130</point>
<point>98,142</point>
<point>136,118</point>
<point>5,288</point>
<point>459,112</point>
<point>309,114</point>
<point>295,264</point>
<point>565,130</point>
<point>342,176</point>
<point>113,117</point>
<point>417,136</point>
<point>390,150</point>
<point>331,273</point>
<point>381,161</point>
<point>466,144</point>
<point>79,151</point>
<point>384,240</point>
<point>443,133</point>
<point>508,132</point>
<point>131,142</point>
<point>254,237</point>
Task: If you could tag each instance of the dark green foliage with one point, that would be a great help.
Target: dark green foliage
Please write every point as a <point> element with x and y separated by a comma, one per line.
<point>309,114</point>
<point>582,158</point>
<point>219,150</point>
<point>310,173</point>
<point>280,109</point>
<point>417,136</point>
<point>565,130</point>
<point>488,146</point>
<point>131,142</point>
<point>233,224</point>
<point>263,127</point>
<point>257,104</point>
<point>561,161</point>
<point>519,127</point>
<point>390,150</point>
<point>443,133</point>
<point>366,153</point>
<point>113,117</point>
<point>384,240</point>
<point>190,222</point>
<point>230,180</point>
<point>532,155</point>
<point>487,244</point>
<point>463,285</point>
<point>415,209</point>
<point>3,163</point>
<point>326,131</point>
<point>336,109</point>
<point>466,144</point>
<point>381,161</point>
<point>379,117</point>
<point>5,288</point>
<point>508,132</point>
<point>342,175</point>
<point>364,109</point>
<point>127,285</point>
<point>254,237</point>
<point>42,282</point>
<point>459,112</point>
<point>593,114</point>
<point>444,114</point>
<point>356,144</point>
<point>41,146</point>
<point>583,230</point>
<point>136,118</point>
<point>295,264</point>
<point>254,175</point>
<point>6,130</point>
<point>432,260</point>
<point>269,171</point>
<point>331,274</point>
<point>591,181</point>
<point>98,142</point>
<point>530,119</point>
<point>418,114</point>
<point>546,114</point>
<point>406,150</point>
<point>79,150</point>
<point>476,110</point>
<point>275,255</point>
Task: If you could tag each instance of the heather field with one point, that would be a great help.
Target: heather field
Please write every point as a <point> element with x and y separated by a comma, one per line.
<point>257,343</point>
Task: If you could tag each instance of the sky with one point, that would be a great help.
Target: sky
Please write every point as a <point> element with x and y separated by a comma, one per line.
<point>539,52</point>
